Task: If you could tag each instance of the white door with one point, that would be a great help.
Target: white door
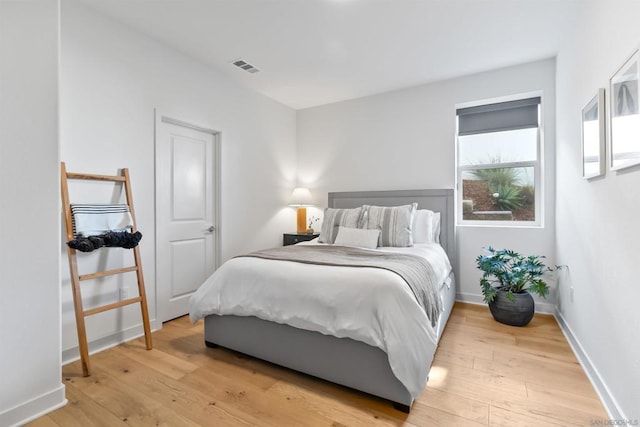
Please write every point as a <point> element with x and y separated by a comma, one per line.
<point>185,213</point>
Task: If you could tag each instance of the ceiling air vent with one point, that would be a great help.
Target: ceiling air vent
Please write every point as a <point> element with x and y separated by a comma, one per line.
<point>244,65</point>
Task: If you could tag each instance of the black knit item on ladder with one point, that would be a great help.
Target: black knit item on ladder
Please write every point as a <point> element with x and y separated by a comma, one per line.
<point>120,239</point>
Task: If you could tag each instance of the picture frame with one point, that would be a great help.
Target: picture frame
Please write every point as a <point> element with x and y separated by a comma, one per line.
<point>624,114</point>
<point>593,136</point>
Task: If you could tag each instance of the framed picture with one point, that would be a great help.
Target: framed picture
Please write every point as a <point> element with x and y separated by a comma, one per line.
<point>593,136</point>
<point>624,96</point>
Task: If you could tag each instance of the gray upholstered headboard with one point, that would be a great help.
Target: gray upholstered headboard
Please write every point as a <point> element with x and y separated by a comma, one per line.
<point>440,200</point>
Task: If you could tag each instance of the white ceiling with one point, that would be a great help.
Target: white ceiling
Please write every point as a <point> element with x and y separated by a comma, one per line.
<point>314,52</point>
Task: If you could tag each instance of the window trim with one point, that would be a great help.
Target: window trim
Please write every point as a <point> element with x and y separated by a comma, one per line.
<point>538,168</point>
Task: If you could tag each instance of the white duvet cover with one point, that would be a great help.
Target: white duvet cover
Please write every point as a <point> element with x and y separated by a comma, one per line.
<point>371,305</point>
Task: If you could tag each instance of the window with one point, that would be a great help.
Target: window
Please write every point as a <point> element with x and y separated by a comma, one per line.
<point>499,162</point>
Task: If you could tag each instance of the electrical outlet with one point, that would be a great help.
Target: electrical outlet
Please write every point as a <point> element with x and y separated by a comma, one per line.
<point>124,293</point>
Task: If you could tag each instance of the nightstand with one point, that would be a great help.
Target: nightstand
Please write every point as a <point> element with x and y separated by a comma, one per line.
<point>293,238</point>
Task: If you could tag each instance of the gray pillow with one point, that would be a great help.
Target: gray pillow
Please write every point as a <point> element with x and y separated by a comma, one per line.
<point>394,223</point>
<point>334,218</point>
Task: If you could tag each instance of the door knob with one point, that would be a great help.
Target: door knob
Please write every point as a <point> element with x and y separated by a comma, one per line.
<point>211,229</point>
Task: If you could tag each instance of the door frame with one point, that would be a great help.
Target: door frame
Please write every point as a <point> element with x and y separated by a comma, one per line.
<point>159,119</point>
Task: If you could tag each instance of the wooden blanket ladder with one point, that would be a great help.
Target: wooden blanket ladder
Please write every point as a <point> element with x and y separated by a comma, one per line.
<point>76,278</point>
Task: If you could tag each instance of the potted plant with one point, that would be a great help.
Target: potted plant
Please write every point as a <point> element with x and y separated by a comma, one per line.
<point>507,282</point>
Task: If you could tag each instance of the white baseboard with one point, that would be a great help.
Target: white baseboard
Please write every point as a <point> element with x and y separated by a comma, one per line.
<point>610,404</point>
<point>72,354</point>
<point>541,307</point>
<point>34,408</point>
<point>470,298</point>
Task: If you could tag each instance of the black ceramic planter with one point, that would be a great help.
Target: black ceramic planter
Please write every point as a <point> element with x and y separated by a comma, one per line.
<point>513,313</point>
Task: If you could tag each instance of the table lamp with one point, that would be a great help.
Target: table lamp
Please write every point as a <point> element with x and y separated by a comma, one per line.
<point>301,198</point>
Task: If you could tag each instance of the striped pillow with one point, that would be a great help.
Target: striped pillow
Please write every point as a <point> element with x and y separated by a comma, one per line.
<point>334,218</point>
<point>395,224</point>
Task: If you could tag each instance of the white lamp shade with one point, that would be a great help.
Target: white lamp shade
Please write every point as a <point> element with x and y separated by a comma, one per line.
<point>301,197</point>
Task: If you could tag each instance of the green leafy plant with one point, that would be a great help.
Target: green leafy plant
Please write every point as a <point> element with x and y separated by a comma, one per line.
<point>511,272</point>
<point>506,197</point>
<point>501,184</point>
<point>497,176</point>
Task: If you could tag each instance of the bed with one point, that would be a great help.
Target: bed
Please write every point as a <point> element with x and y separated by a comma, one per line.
<point>343,358</point>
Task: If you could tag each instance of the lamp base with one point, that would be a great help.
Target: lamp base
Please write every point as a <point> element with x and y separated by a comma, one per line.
<point>302,220</point>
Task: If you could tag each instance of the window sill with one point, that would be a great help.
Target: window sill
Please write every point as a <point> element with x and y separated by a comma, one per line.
<point>499,224</point>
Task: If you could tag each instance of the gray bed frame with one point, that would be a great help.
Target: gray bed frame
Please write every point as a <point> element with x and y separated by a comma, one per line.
<point>340,360</point>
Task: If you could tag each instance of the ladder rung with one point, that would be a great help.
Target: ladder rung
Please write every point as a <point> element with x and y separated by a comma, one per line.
<point>115,178</point>
<point>108,273</point>
<point>112,306</point>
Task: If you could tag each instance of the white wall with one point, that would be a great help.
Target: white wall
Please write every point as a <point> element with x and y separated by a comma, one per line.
<point>112,78</point>
<point>598,231</point>
<point>405,139</point>
<point>30,292</point>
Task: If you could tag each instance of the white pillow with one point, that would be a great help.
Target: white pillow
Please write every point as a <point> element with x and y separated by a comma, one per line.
<point>426,226</point>
<point>357,237</point>
<point>436,227</point>
<point>423,226</point>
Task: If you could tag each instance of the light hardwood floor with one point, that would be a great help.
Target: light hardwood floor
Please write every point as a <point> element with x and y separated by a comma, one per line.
<point>484,373</point>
